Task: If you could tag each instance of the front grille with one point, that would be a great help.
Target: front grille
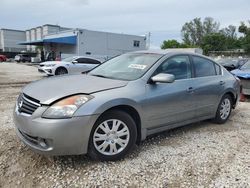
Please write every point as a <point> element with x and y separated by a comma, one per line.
<point>27,104</point>
<point>41,65</point>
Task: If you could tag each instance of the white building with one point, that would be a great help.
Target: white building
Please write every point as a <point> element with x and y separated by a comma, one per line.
<point>67,42</point>
<point>9,40</point>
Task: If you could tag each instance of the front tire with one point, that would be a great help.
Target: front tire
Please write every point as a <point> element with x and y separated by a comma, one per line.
<point>61,71</point>
<point>224,109</point>
<point>113,136</point>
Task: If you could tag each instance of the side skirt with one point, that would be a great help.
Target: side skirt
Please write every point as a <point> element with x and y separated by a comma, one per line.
<point>162,128</point>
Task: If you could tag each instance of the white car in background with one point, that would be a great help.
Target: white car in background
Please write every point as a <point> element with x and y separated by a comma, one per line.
<point>70,65</point>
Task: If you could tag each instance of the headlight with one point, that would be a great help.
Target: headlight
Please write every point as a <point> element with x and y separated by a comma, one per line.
<point>66,107</point>
<point>50,65</point>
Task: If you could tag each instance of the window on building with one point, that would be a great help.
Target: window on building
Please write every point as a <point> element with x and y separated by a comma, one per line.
<point>136,43</point>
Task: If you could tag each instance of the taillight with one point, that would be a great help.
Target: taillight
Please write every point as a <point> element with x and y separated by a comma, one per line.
<point>238,80</point>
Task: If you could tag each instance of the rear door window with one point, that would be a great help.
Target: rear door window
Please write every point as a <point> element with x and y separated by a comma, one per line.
<point>82,60</point>
<point>93,61</point>
<point>87,61</point>
<point>203,67</point>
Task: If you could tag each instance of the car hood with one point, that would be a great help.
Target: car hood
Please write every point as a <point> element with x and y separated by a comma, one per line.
<point>242,73</point>
<point>50,62</point>
<point>49,90</point>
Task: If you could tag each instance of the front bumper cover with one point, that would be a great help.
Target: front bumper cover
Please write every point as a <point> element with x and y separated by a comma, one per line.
<point>54,136</point>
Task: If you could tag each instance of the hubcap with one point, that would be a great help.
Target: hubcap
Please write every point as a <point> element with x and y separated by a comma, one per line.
<point>61,71</point>
<point>111,137</point>
<point>225,108</point>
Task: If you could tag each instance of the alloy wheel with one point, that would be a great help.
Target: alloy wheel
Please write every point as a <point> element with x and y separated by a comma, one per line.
<point>225,108</point>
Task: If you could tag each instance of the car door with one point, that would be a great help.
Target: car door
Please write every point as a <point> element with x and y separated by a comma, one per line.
<point>84,64</point>
<point>208,86</point>
<point>92,63</point>
<point>79,65</point>
<point>170,103</point>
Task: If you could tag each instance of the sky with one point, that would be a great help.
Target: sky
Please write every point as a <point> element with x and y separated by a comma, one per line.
<point>162,18</point>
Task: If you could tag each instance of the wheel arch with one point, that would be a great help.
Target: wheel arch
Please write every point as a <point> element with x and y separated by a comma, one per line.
<point>233,95</point>
<point>132,112</point>
<point>61,67</point>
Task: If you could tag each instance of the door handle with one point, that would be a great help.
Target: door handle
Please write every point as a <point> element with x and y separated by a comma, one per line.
<point>222,82</point>
<point>190,90</point>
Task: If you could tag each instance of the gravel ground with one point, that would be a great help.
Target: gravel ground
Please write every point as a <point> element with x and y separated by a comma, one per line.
<point>198,155</point>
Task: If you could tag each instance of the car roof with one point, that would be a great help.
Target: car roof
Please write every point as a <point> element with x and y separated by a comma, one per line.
<point>166,52</point>
<point>76,57</point>
<point>172,52</point>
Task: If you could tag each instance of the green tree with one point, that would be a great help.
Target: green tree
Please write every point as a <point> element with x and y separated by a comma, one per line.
<point>210,26</point>
<point>170,44</point>
<point>174,44</point>
<point>245,40</point>
<point>194,31</point>
<point>232,41</point>
<point>243,28</point>
<point>213,42</point>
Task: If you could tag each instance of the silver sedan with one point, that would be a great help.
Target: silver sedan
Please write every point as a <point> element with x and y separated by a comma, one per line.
<point>119,103</point>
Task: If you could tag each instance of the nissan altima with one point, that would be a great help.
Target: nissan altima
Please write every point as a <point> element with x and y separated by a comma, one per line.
<point>116,105</point>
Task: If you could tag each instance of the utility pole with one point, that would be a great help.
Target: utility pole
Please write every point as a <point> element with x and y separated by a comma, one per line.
<point>149,36</point>
<point>78,42</point>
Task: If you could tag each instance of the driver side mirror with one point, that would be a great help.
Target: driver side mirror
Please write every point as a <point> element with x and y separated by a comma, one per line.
<point>74,62</point>
<point>163,78</point>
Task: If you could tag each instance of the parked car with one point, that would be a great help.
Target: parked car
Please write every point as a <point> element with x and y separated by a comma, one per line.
<point>22,58</point>
<point>35,60</point>
<point>3,58</point>
<point>232,63</point>
<point>243,73</point>
<point>106,112</point>
<point>71,65</point>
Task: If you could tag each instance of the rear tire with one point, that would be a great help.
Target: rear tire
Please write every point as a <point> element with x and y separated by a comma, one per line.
<point>113,136</point>
<point>61,71</point>
<point>224,109</point>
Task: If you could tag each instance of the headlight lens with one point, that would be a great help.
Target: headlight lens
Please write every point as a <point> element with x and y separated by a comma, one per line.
<point>65,108</point>
<point>50,65</point>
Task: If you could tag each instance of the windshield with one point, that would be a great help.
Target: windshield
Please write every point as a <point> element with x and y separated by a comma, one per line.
<point>69,59</point>
<point>126,67</point>
<point>246,65</point>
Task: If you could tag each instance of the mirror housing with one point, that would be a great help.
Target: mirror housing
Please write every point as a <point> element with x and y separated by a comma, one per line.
<point>74,62</point>
<point>163,78</point>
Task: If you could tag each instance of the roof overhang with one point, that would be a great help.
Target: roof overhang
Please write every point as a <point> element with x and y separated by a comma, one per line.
<point>71,40</point>
<point>35,42</point>
<point>61,40</point>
